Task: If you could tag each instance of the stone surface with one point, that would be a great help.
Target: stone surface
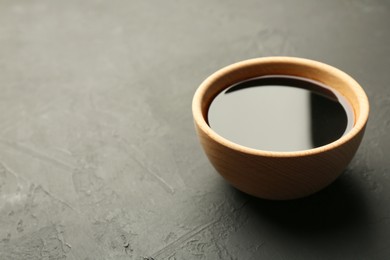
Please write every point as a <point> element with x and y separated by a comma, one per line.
<point>98,156</point>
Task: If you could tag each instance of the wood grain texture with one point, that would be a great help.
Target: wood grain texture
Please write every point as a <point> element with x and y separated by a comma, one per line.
<point>280,175</point>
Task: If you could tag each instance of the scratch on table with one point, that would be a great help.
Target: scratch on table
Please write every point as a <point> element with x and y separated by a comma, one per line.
<point>34,187</point>
<point>159,179</point>
<point>172,246</point>
<point>37,154</point>
<point>9,170</point>
<point>50,195</point>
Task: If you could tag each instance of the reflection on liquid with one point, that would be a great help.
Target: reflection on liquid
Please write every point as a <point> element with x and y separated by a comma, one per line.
<point>279,113</point>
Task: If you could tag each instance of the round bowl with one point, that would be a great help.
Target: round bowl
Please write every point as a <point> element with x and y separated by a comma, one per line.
<point>279,175</point>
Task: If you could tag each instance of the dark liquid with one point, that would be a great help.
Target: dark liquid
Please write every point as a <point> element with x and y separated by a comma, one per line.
<point>280,113</point>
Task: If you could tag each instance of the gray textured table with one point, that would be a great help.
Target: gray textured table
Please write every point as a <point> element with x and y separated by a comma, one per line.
<point>98,156</point>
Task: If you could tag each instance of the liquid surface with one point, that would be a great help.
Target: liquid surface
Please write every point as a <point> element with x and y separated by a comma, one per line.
<point>280,113</point>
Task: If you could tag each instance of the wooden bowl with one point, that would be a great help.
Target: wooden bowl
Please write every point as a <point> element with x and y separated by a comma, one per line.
<point>279,175</point>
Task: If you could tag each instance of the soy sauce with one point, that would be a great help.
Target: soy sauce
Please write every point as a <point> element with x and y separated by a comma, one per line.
<point>280,113</point>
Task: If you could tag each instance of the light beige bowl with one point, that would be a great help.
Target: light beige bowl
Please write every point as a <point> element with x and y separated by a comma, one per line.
<point>279,175</point>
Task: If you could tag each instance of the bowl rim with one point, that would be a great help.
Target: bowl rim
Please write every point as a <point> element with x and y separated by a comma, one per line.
<point>200,121</point>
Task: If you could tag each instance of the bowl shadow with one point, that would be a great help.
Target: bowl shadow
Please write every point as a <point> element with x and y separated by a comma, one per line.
<point>339,207</point>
